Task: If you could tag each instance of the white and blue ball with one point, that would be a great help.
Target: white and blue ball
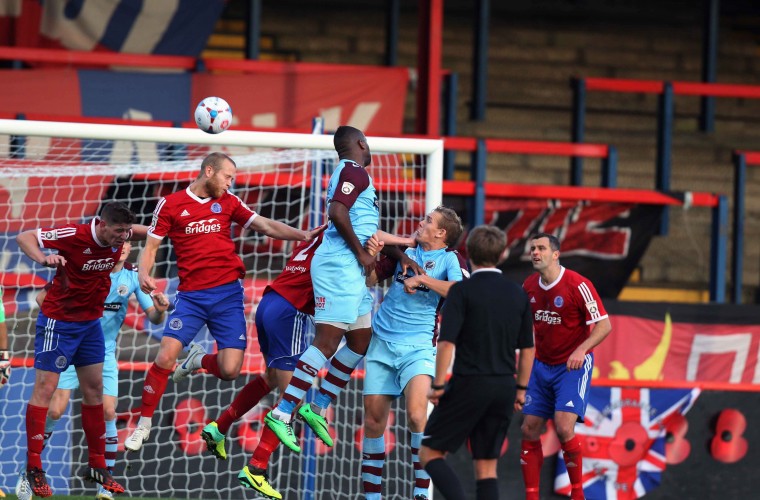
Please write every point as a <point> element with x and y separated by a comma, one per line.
<point>213,115</point>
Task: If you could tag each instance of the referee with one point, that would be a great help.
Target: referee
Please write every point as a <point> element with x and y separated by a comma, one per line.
<point>485,319</point>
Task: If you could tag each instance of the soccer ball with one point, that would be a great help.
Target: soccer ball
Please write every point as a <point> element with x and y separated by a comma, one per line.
<point>213,115</point>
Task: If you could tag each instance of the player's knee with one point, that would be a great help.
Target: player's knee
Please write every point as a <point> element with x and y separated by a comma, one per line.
<point>565,433</point>
<point>229,373</point>
<point>428,455</point>
<point>328,344</point>
<point>166,360</point>
<point>109,414</point>
<point>417,420</point>
<point>54,413</point>
<point>530,430</point>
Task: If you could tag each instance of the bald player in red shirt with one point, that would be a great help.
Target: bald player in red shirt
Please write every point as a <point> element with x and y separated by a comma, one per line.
<point>198,220</point>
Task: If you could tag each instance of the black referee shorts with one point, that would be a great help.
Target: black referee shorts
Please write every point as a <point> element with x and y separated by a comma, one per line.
<point>475,407</point>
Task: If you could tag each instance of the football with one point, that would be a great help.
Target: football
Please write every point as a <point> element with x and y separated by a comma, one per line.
<point>213,115</point>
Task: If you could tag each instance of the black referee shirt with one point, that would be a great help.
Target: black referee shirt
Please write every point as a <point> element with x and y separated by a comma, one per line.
<point>487,317</point>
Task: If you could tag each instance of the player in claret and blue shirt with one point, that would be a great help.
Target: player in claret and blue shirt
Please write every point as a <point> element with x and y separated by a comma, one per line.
<point>198,220</point>
<point>342,302</point>
<point>569,320</point>
<point>69,332</point>
<point>401,355</point>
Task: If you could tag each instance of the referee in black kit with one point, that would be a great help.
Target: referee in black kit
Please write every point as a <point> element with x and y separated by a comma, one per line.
<point>485,319</point>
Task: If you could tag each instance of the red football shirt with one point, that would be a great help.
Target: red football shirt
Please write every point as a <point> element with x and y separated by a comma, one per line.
<point>200,230</point>
<point>563,313</point>
<point>79,288</point>
<point>294,283</point>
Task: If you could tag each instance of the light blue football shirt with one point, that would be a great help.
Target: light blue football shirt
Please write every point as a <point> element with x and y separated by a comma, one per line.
<point>123,284</point>
<point>409,319</point>
<point>364,212</point>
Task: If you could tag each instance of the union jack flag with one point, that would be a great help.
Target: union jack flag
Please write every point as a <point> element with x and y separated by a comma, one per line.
<point>624,440</point>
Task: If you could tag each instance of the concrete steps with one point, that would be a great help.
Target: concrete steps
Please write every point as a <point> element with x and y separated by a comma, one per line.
<point>532,57</point>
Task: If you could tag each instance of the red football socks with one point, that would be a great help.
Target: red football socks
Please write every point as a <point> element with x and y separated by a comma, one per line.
<point>574,464</point>
<point>531,460</point>
<point>249,397</point>
<point>267,444</point>
<point>35,434</point>
<point>94,426</point>
<point>155,385</point>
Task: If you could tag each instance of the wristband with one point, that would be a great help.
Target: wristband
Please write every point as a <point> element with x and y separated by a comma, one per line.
<point>521,387</point>
<point>437,387</point>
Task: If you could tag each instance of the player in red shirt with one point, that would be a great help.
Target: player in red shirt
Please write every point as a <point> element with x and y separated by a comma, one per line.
<point>284,324</point>
<point>198,220</point>
<point>569,320</point>
<point>68,329</point>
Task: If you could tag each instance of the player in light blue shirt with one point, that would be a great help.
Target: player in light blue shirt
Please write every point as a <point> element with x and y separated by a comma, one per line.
<point>124,283</point>
<point>342,303</point>
<point>401,355</point>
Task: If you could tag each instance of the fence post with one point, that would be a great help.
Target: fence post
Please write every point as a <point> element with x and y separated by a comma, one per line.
<point>451,89</point>
<point>578,127</point>
<point>391,33</point>
<point>709,63</point>
<point>479,176</point>
<point>609,168</point>
<point>480,60</point>
<point>665,113</point>
<point>253,35</point>
<point>718,247</point>
<point>737,244</point>
<point>17,143</point>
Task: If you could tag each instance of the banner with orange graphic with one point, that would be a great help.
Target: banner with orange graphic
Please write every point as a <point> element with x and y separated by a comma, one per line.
<point>681,342</point>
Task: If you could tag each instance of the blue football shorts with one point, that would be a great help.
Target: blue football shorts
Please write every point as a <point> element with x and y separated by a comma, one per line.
<point>284,332</point>
<point>552,388</point>
<point>219,308</point>
<point>389,366</point>
<point>70,381</point>
<point>58,344</point>
<point>340,293</point>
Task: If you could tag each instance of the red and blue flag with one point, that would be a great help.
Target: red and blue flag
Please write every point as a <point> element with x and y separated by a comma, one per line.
<point>624,440</point>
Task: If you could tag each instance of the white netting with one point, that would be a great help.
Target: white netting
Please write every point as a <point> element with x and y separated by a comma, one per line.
<point>52,180</point>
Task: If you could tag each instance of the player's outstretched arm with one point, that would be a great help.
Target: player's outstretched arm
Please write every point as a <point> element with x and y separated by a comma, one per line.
<point>156,314</point>
<point>441,287</point>
<point>147,260</point>
<point>139,232</point>
<point>27,242</point>
<point>391,239</point>
<point>278,230</point>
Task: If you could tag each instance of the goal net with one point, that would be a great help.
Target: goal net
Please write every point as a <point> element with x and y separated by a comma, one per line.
<point>56,173</point>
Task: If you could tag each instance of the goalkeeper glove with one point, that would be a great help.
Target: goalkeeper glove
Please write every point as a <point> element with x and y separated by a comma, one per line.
<point>5,367</point>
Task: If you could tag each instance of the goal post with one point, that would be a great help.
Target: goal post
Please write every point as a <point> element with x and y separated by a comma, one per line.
<point>53,173</point>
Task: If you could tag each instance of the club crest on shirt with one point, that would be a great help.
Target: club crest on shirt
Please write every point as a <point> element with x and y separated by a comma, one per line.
<point>61,362</point>
<point>216,208</point>
<point>429,265</point>
<point>122,290</point>
<point>175,324</point>
<point>347,187</point>
<point>559,301</point>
